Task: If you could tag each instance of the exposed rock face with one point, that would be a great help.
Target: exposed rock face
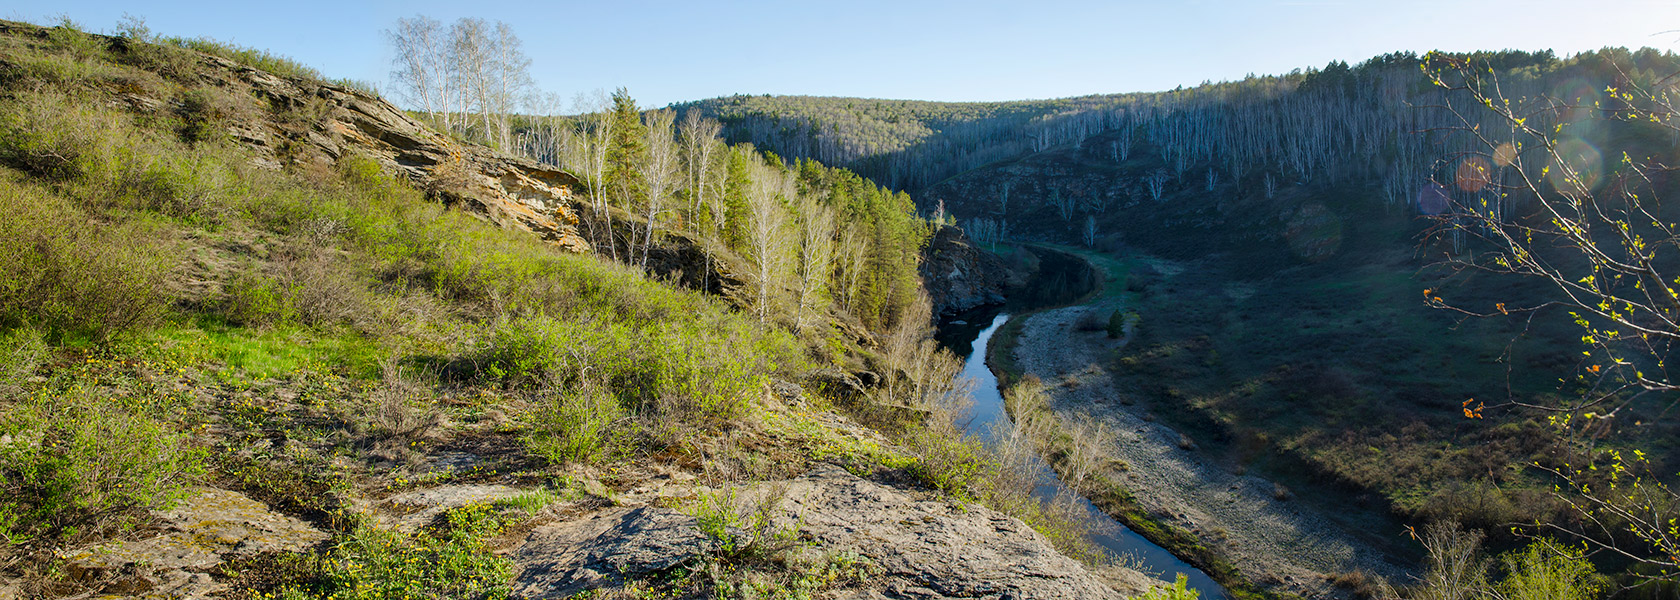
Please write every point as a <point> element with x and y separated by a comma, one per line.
<point>335,120</point>
<point>959,275</point>
<point>201,532</point>
<point>923,548</point>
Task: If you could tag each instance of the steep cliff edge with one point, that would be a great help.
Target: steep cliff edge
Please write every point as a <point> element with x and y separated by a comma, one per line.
<point>959,275</point>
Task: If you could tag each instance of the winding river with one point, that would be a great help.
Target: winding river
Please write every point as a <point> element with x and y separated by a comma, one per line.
<point>970,333</point>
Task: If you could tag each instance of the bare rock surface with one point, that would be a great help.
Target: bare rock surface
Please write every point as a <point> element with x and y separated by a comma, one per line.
<point>511,192</point>
<point>959,275</point>
<point>200,532</point>
<point>562,559</point>
<point>409,511</point>
<point>926,549</point>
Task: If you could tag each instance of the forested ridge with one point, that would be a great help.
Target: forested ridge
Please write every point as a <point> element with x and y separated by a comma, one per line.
<point>1293,123</point>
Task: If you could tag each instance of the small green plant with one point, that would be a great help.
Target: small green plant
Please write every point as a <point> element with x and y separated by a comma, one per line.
<point>946,460</point>
<point>254,300</point>
<point>454,562</point>
<point>1177,591</point>
<point>1116,325</point>
<point>574,425</point>
<point>741,528</point>
<point>1547,570</point>
<point>262,60</point>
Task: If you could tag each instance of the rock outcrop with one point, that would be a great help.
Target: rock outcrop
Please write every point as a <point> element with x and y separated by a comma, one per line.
<point>927,549</point>
<point>959,275</point>
<point>204,530</point>
<point>511,192</point>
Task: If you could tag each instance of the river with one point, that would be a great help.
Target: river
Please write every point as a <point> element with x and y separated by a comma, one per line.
<point>970,333</point>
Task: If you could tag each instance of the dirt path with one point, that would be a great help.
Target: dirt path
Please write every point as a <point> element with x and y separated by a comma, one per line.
<point>1270,540</point>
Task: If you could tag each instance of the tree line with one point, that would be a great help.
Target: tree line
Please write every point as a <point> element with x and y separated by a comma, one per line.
<point>806,242</point>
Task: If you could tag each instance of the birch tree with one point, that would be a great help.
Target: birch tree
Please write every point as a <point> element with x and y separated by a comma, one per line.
<point>816,259</point>
<point>770,241</point>
<point>512,82</point>
<point>659,172</point>
<point>421,72</point>
<point>700,145</point>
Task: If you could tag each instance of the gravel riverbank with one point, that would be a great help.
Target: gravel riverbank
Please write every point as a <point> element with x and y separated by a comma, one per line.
<point>1282,542</point>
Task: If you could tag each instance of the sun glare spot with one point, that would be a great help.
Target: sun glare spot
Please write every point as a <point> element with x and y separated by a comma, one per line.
<point>1505,155</point>
<point>1474,174</point>
<point>1432,199</point>
<point>1576,167</point>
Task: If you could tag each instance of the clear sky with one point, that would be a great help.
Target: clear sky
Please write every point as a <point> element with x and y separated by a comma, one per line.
<point>668,52</point>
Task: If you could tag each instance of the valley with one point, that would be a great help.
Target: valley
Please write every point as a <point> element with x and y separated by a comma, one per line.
<point>1395,329</point>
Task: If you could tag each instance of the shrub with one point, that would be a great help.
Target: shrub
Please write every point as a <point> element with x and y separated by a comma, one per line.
<point>69,140</point>
<point>261,60</point>
<point>21,351</point>
<point>61,272</point>
<point>456,562</point>
<point>1177,591</point>
<point>741,528</point>
<point>1116,325</point>
<point>1546,570</point>
<point>678,368</point>
<point>948,461</point>
<point>49,135</point>
<point>575,425</point>
<point>252,299</point>
<point>70,459</point>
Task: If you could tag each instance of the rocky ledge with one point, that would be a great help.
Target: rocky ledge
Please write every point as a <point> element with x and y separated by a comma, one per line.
<point>930,549</point>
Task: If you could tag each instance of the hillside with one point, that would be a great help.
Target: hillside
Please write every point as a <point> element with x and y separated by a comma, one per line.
<point>265,336</point>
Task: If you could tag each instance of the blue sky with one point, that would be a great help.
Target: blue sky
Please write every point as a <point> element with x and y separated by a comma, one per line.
<point>976,50</point>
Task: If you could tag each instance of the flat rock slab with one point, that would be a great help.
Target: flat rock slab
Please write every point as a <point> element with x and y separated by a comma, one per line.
<point>559,560</point>
<point>409,511</point>
<point>933,549</point>
<point>200,532</point>
<point>924,549</point>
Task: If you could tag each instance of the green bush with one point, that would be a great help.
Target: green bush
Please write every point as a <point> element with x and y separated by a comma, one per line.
<point>741,527</point>
<point>1177,591</point>
<point>1546,570</point>
<point>947,460</point>
<point>375,564</point>
<point>21,351</point>
<point>74,459</point>
<point>1116,325</point>
<point>710,371</point>
<point>576,425</point>
<point>60,272</point>
<point>50,135</point>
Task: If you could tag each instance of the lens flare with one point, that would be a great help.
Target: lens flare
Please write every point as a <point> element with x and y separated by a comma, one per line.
<point>1432,199</point>
<point>1576,168</point>
<point>1473,174</point>
<point>1505,154</point>
<point>1579,98</point>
